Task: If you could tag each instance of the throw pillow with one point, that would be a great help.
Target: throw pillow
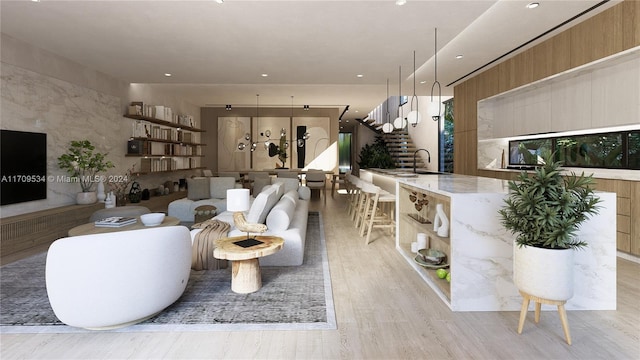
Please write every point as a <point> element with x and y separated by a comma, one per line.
<point>305,193</point>
<point>198,188</point>
<point>289,184</point>
<point>291,195</point>
<point>220,185</point>
<point>279,189</point>
<point>261,206</point>
<point>281,215</point>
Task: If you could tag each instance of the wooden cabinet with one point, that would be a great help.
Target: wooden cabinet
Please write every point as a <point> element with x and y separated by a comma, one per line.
<point>164,145</point>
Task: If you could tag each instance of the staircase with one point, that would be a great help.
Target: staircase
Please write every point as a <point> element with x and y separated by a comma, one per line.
<point>401,149</point>
<point>398,143</point>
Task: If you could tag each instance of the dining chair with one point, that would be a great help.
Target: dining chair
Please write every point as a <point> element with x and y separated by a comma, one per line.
<point>317,180</point>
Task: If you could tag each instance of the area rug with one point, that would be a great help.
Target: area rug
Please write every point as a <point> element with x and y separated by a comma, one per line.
<point>291,298</point>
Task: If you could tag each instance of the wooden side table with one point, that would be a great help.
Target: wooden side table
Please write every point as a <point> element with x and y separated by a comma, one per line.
<point>539,301</point>
<point>245,266</point>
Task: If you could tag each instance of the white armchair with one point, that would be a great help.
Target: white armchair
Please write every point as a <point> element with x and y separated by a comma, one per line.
<point>116,279</point>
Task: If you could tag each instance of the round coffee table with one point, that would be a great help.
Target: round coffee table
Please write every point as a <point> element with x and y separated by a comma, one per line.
<point>245,266</point>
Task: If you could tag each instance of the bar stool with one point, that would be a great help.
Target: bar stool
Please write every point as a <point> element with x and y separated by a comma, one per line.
<point>378,211</point>
<point>338,179</point>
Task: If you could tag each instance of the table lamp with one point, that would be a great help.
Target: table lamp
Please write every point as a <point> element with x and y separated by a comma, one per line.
<point>238,201</point>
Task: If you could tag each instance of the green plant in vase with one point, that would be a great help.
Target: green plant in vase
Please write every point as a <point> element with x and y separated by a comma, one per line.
<point>83,163</point>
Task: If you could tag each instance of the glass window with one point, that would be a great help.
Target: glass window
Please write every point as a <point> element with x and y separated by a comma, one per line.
<point>634,150</point>
<point>599,150</point>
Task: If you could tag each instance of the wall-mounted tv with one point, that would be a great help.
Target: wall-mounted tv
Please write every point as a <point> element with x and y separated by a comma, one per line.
<point>528,152</point>
<point>23,166</point>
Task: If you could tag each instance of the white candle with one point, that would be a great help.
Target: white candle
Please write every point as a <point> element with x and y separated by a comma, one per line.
<point>414,247</point>
<point>422,241</point>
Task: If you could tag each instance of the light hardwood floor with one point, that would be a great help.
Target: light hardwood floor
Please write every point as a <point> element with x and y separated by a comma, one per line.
<point>384,311</point>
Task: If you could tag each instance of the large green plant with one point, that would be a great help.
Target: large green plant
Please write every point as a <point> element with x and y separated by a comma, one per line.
<point>546,209</point>
<point>82,163</point>
<point>376,155</point>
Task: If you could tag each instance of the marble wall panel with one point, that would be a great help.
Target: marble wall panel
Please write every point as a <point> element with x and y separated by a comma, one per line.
<point>65,112</point>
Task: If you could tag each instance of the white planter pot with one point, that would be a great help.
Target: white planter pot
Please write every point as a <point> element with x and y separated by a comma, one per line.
<point>84,198</point>
<point>545,273</point>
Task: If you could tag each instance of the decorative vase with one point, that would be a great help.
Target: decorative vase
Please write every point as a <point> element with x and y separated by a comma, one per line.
<point>109,201</point>
<point>121,199</point>
<point>545,273</point>
<point>85,198</point>
<point>441,222</point>
<point>101,194</point>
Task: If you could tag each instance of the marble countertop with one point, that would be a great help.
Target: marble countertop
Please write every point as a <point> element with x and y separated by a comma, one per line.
<point>447,184</point>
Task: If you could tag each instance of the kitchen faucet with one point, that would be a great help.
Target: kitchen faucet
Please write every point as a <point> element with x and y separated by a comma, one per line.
<point>416,153</point>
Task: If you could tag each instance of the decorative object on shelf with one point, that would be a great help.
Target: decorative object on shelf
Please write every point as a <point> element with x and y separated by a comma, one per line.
<point>135,194</point>
<point>414,247</point>
<point>441,222</point>
<point>118,184</point>
<point>414,117</point>
<point>101,194</point>
<point>400,122</point>
<point>146,195</point>
<point>435,114</point>
<point>432,256</point>
<point>110,201</point>
<point>83,164</point>
<point>421,240</point>
<point>544,211</point>
<point>420,203</point>
<point>418,259</point>
<point>388,126</point>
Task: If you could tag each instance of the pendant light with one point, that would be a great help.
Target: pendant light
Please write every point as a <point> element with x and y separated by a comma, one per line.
<point>400,122</point>
<point>247,136</point>
<point>414,115</point>
<point>435,114</point>
<point>388,126</point>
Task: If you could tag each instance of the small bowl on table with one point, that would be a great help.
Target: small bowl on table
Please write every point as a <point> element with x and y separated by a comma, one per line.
<point>432,256</point>
<point>152,219</point>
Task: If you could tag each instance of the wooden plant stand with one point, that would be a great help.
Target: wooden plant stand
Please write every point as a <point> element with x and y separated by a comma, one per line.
<point>539,301</point>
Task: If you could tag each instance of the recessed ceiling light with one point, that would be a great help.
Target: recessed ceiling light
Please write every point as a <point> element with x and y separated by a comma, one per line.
<point>359,75</point>
<point>533,5</point>
<point>35,0</point>
<point>423,82</point>
<point>401,2</point>
<point>264,75</point>
<point>167,75</point>
<point>459,56</point>
<point>219,1</point>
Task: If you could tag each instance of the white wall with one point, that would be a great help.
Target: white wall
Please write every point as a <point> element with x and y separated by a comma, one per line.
<point>425,134</point>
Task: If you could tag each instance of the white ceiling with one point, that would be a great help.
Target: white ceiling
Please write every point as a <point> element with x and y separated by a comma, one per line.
<point>311,50</point>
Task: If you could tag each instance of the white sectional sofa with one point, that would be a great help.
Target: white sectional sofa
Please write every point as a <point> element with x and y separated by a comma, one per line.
<point>202,191</point>
<point>284,207</point>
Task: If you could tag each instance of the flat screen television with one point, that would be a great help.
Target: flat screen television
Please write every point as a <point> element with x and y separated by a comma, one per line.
<point>23,166</point>
<point>528,152</point>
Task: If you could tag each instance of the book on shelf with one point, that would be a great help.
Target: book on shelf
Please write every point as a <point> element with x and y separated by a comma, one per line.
<point>115,221</point>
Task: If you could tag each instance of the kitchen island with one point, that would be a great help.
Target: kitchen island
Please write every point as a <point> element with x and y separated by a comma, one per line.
<point>480,251</point>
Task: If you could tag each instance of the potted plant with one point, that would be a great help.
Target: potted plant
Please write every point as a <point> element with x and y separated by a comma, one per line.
<point>83,164</point>
<point>376,155</point>
<point>545,211</point>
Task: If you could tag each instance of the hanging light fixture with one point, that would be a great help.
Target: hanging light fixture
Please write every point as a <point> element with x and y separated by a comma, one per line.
<point>414,115</point>
<point>388,126</point>
<point>247,136</point>
<point>436,109</point>
<point>400,122</point>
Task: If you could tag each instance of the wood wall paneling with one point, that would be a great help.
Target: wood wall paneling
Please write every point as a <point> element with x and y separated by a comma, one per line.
<point>635,217</point>
<point>630,24</point>
<point>597,37</point>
